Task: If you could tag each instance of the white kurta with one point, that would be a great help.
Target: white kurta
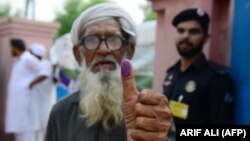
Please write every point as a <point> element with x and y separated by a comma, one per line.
<point>44,98</point>
<point>19,112</point>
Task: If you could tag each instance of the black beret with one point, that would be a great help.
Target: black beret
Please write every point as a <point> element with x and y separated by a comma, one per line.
<point>197,14</point>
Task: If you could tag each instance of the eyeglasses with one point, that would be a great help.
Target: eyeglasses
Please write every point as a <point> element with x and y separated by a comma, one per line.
<point>113,42</point>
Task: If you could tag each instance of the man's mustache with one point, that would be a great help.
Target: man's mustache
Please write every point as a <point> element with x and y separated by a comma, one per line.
<point>103,59</point>
<point>185,42</point>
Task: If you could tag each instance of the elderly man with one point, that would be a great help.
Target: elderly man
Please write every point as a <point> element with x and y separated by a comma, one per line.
<point>108,107</point>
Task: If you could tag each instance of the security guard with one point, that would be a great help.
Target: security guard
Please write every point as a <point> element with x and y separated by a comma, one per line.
<point>200,91</point>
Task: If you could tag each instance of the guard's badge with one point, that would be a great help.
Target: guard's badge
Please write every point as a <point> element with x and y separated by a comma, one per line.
<point>190,86</point>
<point>200,12</point>
<point>170,77</point>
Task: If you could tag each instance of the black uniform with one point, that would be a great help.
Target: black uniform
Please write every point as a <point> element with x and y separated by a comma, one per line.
<point>206,89</point>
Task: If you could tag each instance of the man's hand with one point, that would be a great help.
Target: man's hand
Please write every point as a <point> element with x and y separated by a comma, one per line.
<point>147,116</point>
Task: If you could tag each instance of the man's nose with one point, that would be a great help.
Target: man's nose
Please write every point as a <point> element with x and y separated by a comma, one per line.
<point>103,49</point>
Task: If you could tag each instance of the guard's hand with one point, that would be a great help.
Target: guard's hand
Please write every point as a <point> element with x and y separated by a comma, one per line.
<point>147,116</point>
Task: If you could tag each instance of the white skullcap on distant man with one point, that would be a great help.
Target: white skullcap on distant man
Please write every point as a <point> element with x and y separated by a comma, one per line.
<point>100,12</point>
<point>38,49</point>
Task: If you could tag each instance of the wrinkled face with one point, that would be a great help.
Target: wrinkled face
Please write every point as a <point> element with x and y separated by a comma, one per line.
<point>190,38</point>
<point>100,53</point>
<point>103,58</point>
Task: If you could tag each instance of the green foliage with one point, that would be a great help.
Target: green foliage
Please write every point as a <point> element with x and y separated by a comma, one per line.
<point>144,81</point>
<point>72,74</point>
<point>149,14</point>
<point>18,13</point>
<point>72,8</point>
<point>5,10</point>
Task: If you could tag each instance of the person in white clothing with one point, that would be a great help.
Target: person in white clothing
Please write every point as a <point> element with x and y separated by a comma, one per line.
<point>20,114</point>
<point>43,95</point>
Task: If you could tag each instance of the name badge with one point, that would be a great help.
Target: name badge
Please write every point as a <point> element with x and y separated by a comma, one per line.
<point>179,109</point>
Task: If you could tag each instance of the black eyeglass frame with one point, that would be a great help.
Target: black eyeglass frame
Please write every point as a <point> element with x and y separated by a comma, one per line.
<point>123,41</point>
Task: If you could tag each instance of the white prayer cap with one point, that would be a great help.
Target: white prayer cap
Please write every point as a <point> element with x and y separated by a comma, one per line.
<point>38,49</point>
<point>99,12</point>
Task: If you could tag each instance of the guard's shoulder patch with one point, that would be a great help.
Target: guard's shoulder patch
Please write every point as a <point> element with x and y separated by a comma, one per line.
<point>170,69</point>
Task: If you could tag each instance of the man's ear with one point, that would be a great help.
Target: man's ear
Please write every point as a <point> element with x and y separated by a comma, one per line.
<point>131,51</point>
<point>207,36</point>
<point>77,54</point>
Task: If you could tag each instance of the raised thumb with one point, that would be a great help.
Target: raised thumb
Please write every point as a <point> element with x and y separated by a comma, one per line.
<point>130,95</point>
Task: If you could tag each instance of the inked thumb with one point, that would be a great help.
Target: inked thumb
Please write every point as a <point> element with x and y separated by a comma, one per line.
<point>128,80</point>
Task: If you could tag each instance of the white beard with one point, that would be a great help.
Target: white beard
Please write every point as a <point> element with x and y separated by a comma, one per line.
<point>101,97</point>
